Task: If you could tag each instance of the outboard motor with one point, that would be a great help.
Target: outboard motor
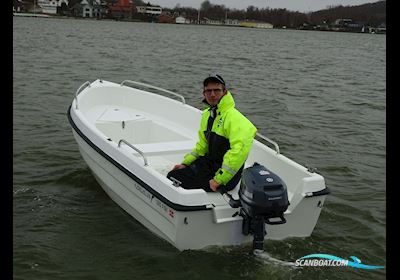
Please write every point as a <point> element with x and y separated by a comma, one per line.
<point>263,199</point>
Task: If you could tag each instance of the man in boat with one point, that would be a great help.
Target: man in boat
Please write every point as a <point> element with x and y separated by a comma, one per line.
<point>225,140</point>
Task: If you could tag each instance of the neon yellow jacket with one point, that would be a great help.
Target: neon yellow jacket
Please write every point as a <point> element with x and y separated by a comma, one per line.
<point>235,129</point>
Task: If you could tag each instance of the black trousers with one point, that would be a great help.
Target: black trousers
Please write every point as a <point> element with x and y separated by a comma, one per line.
<point>199,173</point>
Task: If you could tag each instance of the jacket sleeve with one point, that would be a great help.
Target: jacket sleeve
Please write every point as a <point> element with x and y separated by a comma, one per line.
<point>240,132</point>
<point>201,147</point>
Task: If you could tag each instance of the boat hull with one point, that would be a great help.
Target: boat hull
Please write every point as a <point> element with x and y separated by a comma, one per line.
<point>183,229</point>
<point>188,219</point>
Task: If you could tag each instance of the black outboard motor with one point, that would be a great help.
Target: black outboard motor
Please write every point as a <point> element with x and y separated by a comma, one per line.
<point>263,199</point>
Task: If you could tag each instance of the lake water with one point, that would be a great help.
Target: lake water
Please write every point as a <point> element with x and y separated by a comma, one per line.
<point>320,95</point>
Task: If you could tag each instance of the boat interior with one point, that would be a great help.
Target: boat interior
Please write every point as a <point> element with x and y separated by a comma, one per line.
<point>162,146</point>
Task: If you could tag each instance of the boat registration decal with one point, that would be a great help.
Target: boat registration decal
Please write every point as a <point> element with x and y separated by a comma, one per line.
<point>143,191</point>
<point>168,212</point>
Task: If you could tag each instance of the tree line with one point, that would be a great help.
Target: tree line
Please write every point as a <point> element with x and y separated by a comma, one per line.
<point>372,14</point>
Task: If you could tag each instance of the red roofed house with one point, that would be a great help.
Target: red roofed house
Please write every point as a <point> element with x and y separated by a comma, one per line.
<point>121,8</point>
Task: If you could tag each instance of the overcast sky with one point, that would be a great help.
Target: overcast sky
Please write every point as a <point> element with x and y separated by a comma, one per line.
<point>293,5</point>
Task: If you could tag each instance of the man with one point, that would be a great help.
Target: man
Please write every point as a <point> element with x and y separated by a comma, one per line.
<point>225,140</point>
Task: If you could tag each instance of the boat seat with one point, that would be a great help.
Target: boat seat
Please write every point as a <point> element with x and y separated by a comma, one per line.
<point>165,147</point>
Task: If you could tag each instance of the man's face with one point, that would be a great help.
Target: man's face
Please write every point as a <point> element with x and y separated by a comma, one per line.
<point>213,92</point>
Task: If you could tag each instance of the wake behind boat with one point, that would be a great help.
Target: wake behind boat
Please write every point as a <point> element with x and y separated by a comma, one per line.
<point>131,138</point>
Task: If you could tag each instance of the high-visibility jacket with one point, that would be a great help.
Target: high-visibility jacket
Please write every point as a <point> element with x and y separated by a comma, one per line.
<point>227,138</point>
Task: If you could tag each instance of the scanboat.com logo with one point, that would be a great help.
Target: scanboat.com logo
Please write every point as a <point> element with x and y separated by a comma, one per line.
<point>330,260</point>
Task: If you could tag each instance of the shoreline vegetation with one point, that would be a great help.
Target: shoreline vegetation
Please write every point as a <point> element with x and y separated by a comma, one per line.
<point>366,18</point>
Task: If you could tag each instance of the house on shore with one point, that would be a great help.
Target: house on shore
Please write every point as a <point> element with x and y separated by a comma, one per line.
<point>210,21</point>
<point>166,18</point>
<point>23,6</point>
<point>149,10</point>
<point>53,7</point>
<point>182,20</point>
<point>90,9</point>
<point>149,13</point>
<point>121,9</point>
<point>232,22</point>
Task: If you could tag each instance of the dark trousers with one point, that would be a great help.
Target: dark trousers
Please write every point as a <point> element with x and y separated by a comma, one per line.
<point>199,173</point>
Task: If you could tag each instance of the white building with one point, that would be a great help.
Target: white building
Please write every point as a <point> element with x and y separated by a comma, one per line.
<point>181,20</point>
<point>90,8</point>
<point>150,10</point>
<point>212,21</point>
<point>87,8</point>
<point>50,6</point>
<point>234,22</point>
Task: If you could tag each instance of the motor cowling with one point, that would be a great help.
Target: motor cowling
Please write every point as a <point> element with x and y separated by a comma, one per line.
<point>263,193</point>
<point>263,199</point>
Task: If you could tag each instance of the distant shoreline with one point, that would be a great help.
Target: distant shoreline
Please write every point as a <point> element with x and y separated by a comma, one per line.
<point>125,20</point>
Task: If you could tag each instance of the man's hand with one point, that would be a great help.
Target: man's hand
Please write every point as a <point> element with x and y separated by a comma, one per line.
<point>179,166</point>
<point>213,185</point>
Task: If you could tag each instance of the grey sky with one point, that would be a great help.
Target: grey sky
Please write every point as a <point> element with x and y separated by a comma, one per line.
<point>293,5</point>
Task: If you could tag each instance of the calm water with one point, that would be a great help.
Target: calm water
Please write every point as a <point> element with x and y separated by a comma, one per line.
<point>320,95</point>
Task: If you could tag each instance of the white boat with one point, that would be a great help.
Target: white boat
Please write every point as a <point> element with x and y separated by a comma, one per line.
<point>131,138</point>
